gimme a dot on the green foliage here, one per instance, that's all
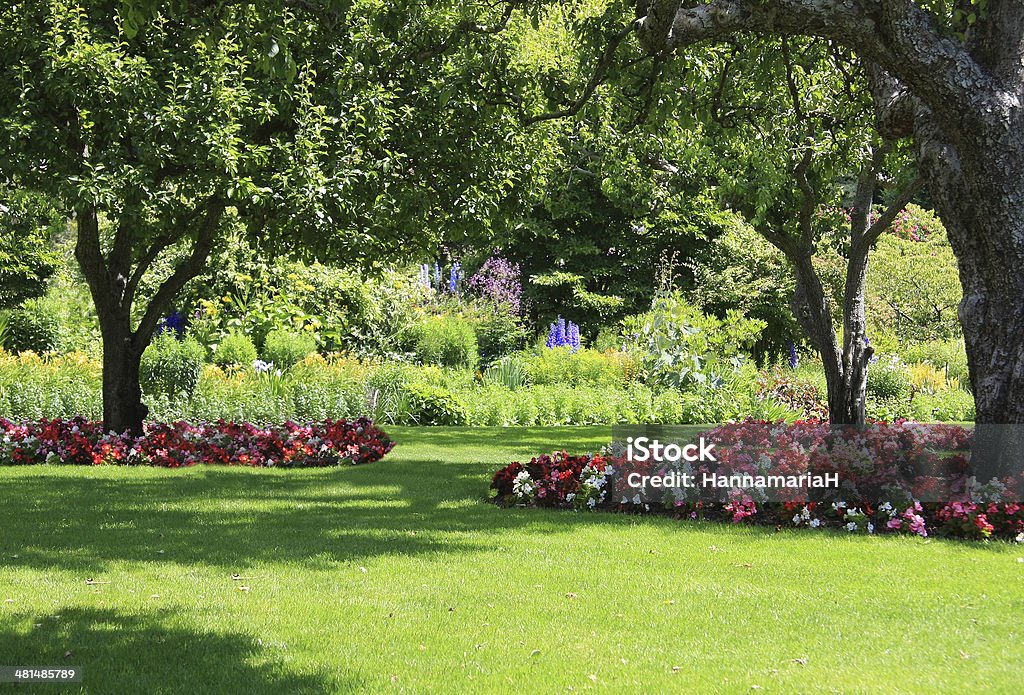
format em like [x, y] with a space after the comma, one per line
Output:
[31, 328]
[913, 285]
[170, 366]
[682, 346]
[27, 260]
[446, 341]
[953, 405]
[888, 379]
[509, 372]
[562, 365]
[286, 348]
[433, 405]
[741, 271]
[53, 386]
[235, 350]
[949, 355]
[499, 332]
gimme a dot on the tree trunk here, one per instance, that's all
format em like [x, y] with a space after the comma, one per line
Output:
[123, 409]
[979, 192]
[846, 388]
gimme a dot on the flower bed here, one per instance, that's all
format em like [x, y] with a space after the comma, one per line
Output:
[902, 477]
[179, 444]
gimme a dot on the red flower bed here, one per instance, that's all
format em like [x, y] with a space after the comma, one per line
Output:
[180, 444]
[899, 477]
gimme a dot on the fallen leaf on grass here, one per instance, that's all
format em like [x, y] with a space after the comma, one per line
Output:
[570, 595]
[238, 577]
[800, 660]
[535, 652]
[243, 587]
[91, 582]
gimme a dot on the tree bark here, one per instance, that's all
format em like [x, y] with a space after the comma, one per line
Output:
[123, 409]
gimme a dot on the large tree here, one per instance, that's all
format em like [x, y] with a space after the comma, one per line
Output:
[951, 74]
[330, 129]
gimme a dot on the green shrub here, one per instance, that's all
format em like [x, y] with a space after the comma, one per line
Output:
[888, 379]
[33, 387]
[433, 405]
[287, 348]
[235, 350]
[171, 366]
[947, 355]
[499, 333]
[28, 328]
[561, 365]
[953, 405]
[446, 341]
[682, 346]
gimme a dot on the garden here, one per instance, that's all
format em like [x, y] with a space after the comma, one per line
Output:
[336, 339]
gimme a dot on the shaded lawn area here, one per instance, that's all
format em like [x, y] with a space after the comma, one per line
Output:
[396, 576]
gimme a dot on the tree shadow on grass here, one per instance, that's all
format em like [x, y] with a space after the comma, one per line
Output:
[407, 505]
[121, 653]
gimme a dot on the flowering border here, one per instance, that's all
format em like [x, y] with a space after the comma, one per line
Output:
[897, 478]
[180, 444]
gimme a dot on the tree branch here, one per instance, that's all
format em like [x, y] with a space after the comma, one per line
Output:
[886, 219]
[596, 79]
[896, 34]
[185, 271]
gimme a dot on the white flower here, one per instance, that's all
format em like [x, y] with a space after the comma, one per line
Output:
[815, 523]
[636, 498]
[796, 520]
[522, 486]
[851, 527]
[871, 527]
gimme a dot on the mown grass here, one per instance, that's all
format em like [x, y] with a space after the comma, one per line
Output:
[398, 577]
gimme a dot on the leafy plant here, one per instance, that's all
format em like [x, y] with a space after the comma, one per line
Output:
[447, 341]
[286, 348]
[681, 345]
[170, 366]
[509, 372]
[235, 350]
[433, 405]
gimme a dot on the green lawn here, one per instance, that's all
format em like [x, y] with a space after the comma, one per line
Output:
[398, 577]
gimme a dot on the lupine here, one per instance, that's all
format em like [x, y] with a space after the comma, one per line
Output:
[453, 277]
[562, 335]
[794, 359]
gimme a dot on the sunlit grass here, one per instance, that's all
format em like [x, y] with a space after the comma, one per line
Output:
[398, 576]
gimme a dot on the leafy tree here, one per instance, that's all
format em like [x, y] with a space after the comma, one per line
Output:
[27, 259]
[951, 74]
[326, 129]
[913, 288]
